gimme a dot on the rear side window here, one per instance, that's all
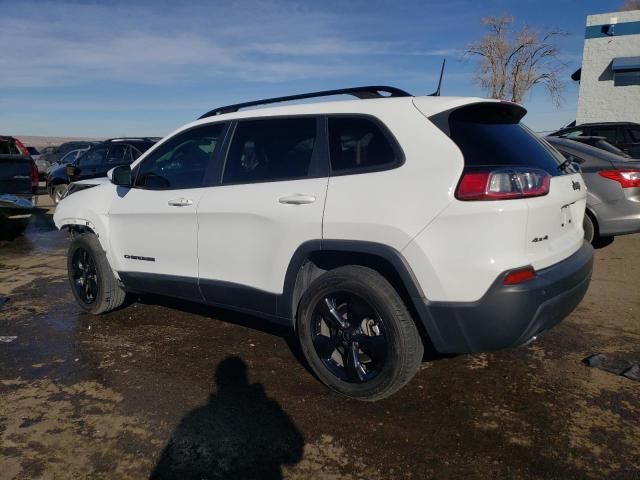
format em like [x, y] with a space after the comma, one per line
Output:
[271, 149]
[491, 135]
[575, 133]
[610, 134]
[634, 134]
[8, 147]
[358, 144]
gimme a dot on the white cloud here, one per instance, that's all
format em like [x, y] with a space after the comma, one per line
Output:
[61, 44]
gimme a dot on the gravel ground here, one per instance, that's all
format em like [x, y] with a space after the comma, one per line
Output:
[157, 387]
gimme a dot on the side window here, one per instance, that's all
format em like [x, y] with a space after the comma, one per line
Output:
[118, 154]
[270, 149]
[610, 133]
[358, 144]
[634, 134]
[182, 161]
[575, 133]
[135, 153]
[93, 157]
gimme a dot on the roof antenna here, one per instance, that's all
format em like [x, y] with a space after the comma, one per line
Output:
[437, 92]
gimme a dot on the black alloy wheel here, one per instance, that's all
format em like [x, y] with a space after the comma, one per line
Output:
[84, 276]
[349, 337]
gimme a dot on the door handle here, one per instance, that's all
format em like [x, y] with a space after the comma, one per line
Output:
[297, 199]
[180, 202]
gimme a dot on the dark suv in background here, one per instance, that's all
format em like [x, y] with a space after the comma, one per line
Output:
[96, 162]
[18, 181]
[624, 135]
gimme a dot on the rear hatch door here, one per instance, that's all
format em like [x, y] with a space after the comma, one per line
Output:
[490, 136]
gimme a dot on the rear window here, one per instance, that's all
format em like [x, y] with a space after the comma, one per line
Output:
[8, 147]
[492, 135]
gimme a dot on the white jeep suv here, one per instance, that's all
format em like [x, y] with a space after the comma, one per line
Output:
[376, 228]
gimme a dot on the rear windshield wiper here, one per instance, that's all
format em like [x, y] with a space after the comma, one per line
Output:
[564, 165]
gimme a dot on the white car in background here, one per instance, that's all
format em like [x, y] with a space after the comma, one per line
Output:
[375, 228]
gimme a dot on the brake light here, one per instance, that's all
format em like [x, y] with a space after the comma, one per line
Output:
[35, 177]
[21, 148]
[519, 276]
[626, 178]
[503, 184]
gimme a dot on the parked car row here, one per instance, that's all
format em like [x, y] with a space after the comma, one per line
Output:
[623, 135]
[94, 162]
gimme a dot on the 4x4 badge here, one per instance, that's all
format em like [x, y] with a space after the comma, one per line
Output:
[576, 185]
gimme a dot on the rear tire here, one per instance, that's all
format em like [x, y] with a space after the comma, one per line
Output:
[369, 347]
[93, 283]
[590, 229]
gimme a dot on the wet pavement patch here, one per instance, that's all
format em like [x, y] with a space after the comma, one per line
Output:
[615, 365]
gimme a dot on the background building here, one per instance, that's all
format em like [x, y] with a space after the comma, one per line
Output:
[610, 76]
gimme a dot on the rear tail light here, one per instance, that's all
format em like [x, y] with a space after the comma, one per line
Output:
[35, 177]
[21, 148]
[626, 178]
[520, 275]
[503, 184]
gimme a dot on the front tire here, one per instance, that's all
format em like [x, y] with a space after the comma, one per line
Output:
[93, 284]
[357, 335]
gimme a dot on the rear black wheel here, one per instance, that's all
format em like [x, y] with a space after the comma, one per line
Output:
[357, 335]
[93, 283]
[590, 229]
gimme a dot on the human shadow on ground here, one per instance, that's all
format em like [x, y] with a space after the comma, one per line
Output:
[239, 434]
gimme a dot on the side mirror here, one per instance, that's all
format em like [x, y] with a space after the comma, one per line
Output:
[120, 176]
[71, 170]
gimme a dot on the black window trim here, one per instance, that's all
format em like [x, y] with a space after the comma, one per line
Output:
[319, 165]
[399, 156]
[209, 175]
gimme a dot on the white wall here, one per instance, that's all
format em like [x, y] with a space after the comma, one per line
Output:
[599, 100]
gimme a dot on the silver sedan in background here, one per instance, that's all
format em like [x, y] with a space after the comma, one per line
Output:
[613, 189]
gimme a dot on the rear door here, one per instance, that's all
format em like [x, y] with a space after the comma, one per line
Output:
[269, 202]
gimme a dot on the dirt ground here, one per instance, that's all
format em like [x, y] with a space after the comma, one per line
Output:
[157, 388]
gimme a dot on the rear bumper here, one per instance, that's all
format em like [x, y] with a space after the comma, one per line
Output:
[508, 316]
[12, 205]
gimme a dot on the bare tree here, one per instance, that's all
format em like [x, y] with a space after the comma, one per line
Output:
[512, 63]
[631, 5]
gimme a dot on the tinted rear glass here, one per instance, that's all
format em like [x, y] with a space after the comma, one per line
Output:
[358, 144]
[8, 147]
[492, 135]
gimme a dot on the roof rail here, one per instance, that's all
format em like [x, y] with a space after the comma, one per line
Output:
[130, 139]
[371, 91]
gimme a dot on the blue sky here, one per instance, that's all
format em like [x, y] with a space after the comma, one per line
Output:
[144, 68]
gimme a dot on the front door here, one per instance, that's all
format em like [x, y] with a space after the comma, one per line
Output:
[154, 225]
[270, 202]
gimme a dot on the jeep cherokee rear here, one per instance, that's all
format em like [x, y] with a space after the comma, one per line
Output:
[369, 226]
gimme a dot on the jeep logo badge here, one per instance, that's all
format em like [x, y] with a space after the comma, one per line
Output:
[575, 185]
